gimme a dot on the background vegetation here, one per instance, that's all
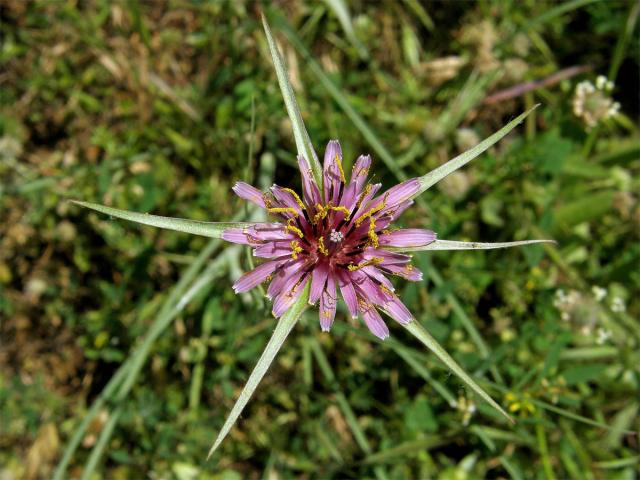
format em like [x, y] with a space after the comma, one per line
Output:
[149, 106]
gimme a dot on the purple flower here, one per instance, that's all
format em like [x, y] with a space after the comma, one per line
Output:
[336, 241]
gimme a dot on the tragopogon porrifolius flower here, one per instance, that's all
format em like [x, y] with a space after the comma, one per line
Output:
[336, 238]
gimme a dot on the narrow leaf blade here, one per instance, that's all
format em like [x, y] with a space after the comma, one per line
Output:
[280, 334]
[454, 245]
[206, 229]
[303, 142]
[433, 177]
[418, 331]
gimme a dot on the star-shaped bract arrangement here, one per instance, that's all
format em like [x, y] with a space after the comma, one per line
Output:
[338, 236]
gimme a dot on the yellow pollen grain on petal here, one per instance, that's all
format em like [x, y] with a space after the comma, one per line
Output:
[370, 212]
[292, 228]
[283, 210]
[373, 237]
[367, 190]
[321, 247]
[295, 249]
[366, 263]
[295, 195]
[322, 212]
[342, 209]
[385, 290]
[339, 163]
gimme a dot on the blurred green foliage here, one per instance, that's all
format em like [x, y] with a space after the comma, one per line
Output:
[148, 106]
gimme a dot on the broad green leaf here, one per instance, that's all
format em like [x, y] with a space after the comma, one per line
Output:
[280, 334]
[454, 245]
[433, 177]
[303, 142]
[418, 331]
[195, 227]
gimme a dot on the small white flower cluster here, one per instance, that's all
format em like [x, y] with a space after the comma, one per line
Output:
[592, 103]
[602, 336]
[566, 302]
[618, 305]
[599, 293]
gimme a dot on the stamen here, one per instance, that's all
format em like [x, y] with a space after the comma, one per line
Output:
[342, 209]
[372, 261]
[295, 249]
[322, 212]
[339, 163]
[283, 210]
[373, 238]
[366, 192]
[321, 247]
[371, 211]
[297, 198]
[292, 228]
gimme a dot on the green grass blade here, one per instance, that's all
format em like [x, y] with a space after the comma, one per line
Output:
[341, 11]
[433, 177]
[341, 99]
[80, 431]
[454, 245]
[418, 331]
[101, 444]
[303, 142]
[280, 334]
[195, 227]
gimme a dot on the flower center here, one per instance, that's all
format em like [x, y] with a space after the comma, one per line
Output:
[335, 237]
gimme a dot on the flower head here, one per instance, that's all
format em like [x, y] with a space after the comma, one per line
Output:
[338, 240]
[593, 103]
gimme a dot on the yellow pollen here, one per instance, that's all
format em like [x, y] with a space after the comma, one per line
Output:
[292, 228]
[386, 231]
[339, 163]
[321, 247]
[295, 249]
[295, 195]
[342, 209]
[322, 212]
[372, 261]
[283, 210]
[366, 192]
[385, 290]
[370, 212]
[373, 238]
[326, 314]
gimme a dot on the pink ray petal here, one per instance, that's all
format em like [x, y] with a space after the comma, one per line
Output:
[318, 280]
[273, 249]
[348, 294]
[248, 192]
[283, 276]
[332, 177]
[408, 272]
[310, 189]
[290, 294]
[256, 276]
[388, 258]
[328, 303]
[407, 237]
[373, 320]
[398, 311]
